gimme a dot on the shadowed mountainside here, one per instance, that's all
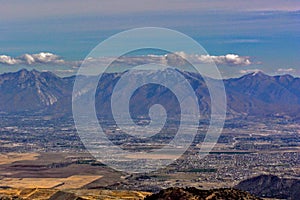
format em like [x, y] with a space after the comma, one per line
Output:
[270, 186]
[255, 94]
[196, 194]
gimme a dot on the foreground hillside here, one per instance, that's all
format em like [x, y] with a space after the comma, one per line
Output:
[171, 193]
[196, 194]
[52, 194]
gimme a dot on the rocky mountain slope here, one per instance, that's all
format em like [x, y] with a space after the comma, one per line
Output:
[27, 91]
[196, 194]
[272, 187]
[255, 94]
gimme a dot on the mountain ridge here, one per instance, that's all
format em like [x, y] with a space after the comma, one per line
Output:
[192, 193]
[254, 94]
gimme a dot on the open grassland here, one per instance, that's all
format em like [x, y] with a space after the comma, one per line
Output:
[54, 170]
[9, 158]
[76, 181]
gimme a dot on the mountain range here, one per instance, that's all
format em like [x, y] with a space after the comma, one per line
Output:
[254, 94]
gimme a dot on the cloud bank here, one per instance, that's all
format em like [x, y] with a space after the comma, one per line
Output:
[177, 59]
[46, 58]
[32, 59]
[228, 59]
[286, 70]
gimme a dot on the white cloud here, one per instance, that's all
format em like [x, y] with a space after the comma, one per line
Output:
[286, 70]
[4, 59]
[247, 71]
[43, 58]
[228, 59]
[31, 59]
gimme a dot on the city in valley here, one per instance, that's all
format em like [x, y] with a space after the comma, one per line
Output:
[48, 153]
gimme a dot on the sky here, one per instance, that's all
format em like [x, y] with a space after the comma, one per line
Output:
[240, 36]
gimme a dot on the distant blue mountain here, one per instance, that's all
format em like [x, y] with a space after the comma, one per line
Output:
[254, 94]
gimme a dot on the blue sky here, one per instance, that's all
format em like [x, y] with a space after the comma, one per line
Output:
[265, 31]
